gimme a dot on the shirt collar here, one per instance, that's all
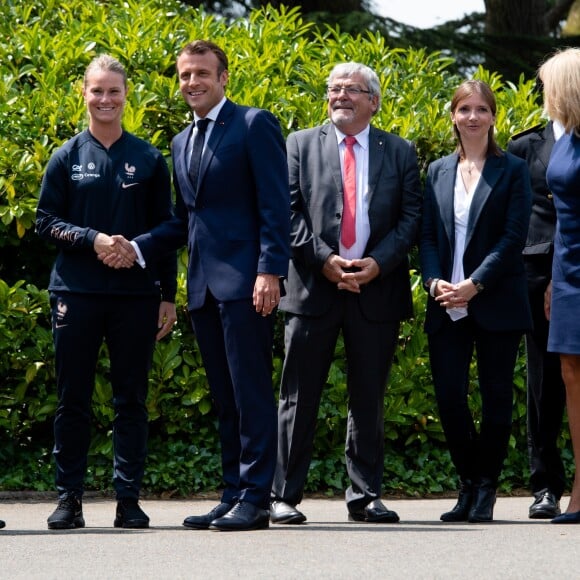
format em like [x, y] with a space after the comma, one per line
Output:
[214, 113]
[558, 129]
[362, 138]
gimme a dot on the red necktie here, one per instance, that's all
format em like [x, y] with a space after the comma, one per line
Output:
[348, 231]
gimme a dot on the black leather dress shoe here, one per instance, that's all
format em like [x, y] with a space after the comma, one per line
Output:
[571, 518]
[203, 522]
[374, 512]
[545, 506]
[284, 513]
[243, 516]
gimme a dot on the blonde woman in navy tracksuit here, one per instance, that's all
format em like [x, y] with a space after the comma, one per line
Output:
[104, 181]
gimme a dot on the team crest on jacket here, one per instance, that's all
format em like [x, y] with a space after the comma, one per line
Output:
[129, 176]
[130, 170]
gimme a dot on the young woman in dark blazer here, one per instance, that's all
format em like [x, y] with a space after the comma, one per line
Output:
[475, 219]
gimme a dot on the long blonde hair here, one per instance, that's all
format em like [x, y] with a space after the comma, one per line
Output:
[560, 75]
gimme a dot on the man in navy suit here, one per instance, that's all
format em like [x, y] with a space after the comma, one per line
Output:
[234, 215]
[351, 281]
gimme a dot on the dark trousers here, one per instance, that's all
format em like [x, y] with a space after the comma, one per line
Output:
[236, 347]
[310, 344]
[80, 324]
[546, 403]
[475, 455]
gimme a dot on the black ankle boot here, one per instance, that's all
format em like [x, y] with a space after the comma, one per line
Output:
[483, 502]
[461, 510]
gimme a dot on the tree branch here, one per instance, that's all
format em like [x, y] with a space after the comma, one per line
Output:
[558, 13]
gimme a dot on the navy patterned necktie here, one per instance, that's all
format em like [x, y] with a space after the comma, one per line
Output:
[197, 150]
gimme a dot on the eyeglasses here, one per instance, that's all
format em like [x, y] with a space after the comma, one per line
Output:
[335, 90]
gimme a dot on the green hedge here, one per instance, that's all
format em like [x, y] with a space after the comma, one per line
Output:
[279, 62]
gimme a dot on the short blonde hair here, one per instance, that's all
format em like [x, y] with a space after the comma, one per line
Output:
[560, 76]
[105, 62]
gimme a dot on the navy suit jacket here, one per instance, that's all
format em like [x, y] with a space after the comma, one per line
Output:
[237, 224]
[317, 202]
[535, 146]
[496, 234]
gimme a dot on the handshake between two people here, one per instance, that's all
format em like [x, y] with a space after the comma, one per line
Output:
[114, 251]
[117, 252]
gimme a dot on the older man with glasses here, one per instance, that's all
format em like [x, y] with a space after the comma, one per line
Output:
[355, 202]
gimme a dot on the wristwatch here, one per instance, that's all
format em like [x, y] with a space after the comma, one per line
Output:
[478, 285]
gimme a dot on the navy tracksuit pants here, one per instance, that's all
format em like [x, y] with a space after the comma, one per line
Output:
[127, 325]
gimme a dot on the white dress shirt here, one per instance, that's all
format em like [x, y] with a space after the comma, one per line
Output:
[558, 129]
[461, 203]
[212, 116]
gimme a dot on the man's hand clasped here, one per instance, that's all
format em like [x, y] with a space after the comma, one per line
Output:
[350, 275]
[114, 251]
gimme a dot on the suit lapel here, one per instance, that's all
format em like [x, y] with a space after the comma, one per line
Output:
[445, 193]
[181, 160]
[329, 146]
[376, 158]
[492, 171]
[217, 133]
[544, 145]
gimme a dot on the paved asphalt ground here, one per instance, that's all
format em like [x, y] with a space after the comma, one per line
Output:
[327, 546]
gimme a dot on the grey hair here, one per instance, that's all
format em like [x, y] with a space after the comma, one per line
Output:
[104, 62]
[348, 69]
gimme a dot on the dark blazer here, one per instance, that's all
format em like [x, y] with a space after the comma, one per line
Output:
[497, 229]
[317, 204]
[238, 220]
[535, 146]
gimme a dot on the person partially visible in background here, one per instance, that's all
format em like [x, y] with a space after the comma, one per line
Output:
[546, 394]
[560, 76]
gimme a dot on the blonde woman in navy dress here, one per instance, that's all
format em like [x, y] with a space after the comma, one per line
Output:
[561, 78]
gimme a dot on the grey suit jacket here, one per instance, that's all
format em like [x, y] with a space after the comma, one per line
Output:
[316, 212]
